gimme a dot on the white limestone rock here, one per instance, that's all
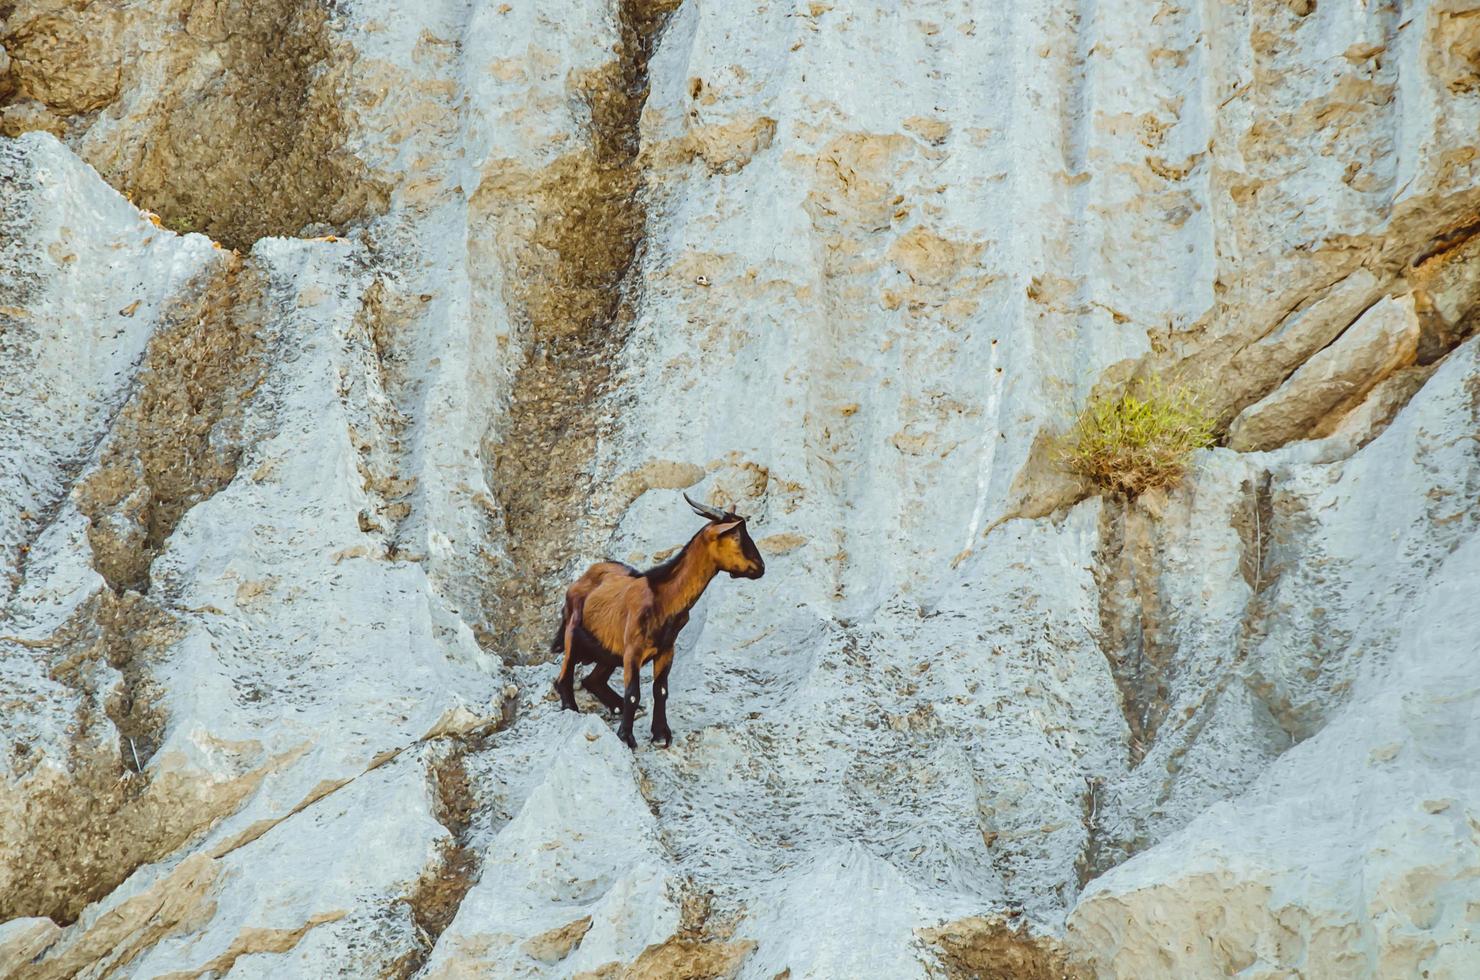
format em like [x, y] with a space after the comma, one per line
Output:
[858, 914]
[22, 940]
[1352, 857]
[888, 251]
[582, 846]
[1353, 854]
[84, 280]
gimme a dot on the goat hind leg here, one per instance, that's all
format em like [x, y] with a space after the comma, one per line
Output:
[596, 683]
[565, 683]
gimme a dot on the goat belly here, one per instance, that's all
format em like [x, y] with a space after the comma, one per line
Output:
[588, 649]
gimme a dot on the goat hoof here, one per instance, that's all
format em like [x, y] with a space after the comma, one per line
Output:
[666, 737]
[627, 737]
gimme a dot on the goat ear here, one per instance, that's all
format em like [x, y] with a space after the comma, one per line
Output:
[728, 526]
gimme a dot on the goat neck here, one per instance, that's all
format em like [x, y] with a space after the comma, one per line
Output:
[678, 592]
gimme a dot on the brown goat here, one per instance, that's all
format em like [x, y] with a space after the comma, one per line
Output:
[615, 616]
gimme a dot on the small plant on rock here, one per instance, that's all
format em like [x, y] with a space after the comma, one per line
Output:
[1139, 439]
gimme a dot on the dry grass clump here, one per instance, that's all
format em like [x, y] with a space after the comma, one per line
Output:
[1139, 439]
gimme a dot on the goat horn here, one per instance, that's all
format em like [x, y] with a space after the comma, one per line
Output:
[713, 513]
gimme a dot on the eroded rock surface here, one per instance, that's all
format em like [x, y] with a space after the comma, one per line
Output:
[433, 304]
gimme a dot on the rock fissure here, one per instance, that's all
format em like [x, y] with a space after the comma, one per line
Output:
[1254, 522]
[174, 444]
[382, 457]
[1093, 859]
[977, 947]
[1447, 241]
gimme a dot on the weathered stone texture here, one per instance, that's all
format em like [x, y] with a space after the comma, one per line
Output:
[417, 308]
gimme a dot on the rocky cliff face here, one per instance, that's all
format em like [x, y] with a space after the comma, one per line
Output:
[336, 337]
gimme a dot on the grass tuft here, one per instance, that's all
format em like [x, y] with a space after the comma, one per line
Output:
[1140, 439]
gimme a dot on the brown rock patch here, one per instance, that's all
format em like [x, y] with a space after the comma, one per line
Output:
[556, 944]
[241, 133]
[976, 948]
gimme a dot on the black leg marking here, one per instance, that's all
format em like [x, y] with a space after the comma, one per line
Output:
[661, 732]
[629, 712]
[596, 683]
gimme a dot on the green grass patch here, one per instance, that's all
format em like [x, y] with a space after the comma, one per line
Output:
[1139, 439]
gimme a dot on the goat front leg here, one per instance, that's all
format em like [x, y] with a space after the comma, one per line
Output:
[632, 695]
[661, 731]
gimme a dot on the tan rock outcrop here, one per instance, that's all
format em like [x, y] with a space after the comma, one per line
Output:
[1313, 400]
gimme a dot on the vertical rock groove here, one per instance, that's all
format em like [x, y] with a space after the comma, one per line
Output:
[440, 891]
[173, 445]
[577, 296]
[1131, 622]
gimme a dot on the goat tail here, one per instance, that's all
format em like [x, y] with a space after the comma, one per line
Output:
[557, 644]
